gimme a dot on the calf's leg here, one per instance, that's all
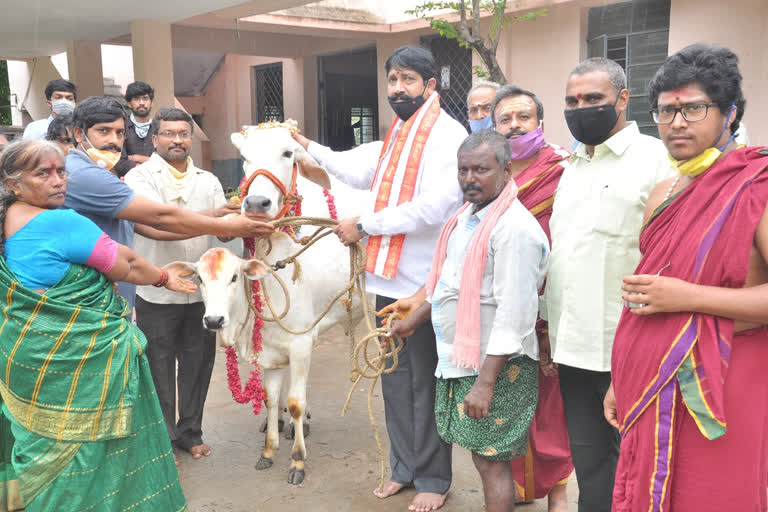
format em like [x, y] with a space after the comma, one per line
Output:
[297, 406]
[273, 379]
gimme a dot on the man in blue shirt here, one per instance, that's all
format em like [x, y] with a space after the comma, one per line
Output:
[95, 192]
[60, 95]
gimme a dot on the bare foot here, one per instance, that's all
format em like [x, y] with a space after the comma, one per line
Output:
[175, 460]
[426, 501]
[390, 489]
[557, 499]
[200, 450]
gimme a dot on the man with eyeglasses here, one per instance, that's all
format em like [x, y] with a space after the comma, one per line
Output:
[479, 100]
[596, 218]
[174, 323]
[94, 190]
[690, 391]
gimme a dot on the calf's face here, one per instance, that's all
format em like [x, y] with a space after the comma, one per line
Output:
[222, 286]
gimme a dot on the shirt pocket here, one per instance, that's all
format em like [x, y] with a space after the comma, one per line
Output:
[618, 211]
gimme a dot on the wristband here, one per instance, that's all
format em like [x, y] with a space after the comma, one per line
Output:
[163, 279]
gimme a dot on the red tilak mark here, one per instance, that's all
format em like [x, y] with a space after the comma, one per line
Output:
[214, 259]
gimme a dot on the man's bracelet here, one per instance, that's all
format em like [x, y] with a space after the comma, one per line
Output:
[163, 279]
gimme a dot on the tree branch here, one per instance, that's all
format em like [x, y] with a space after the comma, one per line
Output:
[476, 18]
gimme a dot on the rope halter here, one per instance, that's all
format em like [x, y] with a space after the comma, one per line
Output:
[290, 196]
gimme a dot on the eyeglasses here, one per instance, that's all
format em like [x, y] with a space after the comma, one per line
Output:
[691, 113]
[173, 135]
[485, 109]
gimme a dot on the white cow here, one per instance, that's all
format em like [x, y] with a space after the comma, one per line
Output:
[324, 272]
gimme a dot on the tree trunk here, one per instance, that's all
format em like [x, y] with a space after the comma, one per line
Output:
[491, 64]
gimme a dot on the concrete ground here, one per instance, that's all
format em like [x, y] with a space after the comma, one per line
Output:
[342, 463]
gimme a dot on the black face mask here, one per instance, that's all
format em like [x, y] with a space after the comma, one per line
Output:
[591, 125]
[405, 106]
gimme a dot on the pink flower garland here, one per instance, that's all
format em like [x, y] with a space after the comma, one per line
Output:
[254, 390]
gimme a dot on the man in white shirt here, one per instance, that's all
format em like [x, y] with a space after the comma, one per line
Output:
[173, 321]
[595, 225]
[60, 95]
[412, 177]
[485, 400]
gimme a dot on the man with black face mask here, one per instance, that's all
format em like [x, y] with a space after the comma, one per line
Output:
[596, 220]
[412, 177]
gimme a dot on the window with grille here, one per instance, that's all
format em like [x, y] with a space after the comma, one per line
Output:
[454, 69]
[363, 120]
[268, 85]
[635, 35]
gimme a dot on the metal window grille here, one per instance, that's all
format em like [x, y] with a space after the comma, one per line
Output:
[636, 36]
[458, 62]
[268, 84]
[364, 124]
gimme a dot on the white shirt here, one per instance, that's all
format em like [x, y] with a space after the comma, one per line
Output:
[436, 197]
[199, 191]
[595, 226]
[518, 255]
[37, 130]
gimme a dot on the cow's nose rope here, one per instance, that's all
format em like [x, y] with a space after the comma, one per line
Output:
[363, 366]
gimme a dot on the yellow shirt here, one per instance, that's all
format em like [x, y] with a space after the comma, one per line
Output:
[595, 227]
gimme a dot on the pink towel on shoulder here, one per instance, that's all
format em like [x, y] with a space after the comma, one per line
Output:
[466, 344]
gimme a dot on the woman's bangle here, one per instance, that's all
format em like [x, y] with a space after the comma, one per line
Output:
[163, 279]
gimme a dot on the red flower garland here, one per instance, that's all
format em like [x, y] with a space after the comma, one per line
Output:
[254, 390]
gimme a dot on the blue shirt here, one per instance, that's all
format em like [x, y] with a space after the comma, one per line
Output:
[37, 129]
[41, 252]
[98, 194]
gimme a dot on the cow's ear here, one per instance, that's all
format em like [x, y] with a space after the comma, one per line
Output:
[254, 269]
[310, 169]
[185, 268]
[237, 139]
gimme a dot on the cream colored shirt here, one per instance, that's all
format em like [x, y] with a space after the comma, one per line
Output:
[199, 191]
[596, 220]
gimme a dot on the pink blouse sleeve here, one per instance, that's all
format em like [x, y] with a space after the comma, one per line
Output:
[104, 254]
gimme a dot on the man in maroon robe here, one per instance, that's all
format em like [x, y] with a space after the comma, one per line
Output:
[690, 393]
[537, 166]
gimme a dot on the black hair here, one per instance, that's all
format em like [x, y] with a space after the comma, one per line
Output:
[714, 68]
[60, 126]
[97, 109]
[496, 141]
[510, 91]
[413, 57]
[173, 114]
[60, 85]
[616, 74]
[137, 89]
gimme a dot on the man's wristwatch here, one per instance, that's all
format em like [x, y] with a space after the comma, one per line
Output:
[360, 229]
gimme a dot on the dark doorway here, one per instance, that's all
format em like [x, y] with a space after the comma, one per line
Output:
[348, 105]
[454, 74]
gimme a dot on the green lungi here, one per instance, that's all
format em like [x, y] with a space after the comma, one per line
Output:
[80, 427]
[503, 435]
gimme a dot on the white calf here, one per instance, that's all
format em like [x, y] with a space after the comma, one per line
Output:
[324, 272]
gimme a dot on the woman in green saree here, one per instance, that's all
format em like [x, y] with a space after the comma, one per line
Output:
[80, 424]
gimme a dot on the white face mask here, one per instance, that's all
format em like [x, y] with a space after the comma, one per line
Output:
[62, 107]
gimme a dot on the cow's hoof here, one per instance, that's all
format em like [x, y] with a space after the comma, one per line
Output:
[280, 426]
[290, 433]
[295, 476]
[264, 463]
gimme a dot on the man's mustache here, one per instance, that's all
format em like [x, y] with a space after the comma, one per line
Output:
[177, 146]
[517, 131]
[111, 147]
[470, 187]
[400, 96]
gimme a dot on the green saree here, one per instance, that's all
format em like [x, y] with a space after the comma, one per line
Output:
[80, 426]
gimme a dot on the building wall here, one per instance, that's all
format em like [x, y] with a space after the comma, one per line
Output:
[742, 26]
[27, 80]
[538, 55]
[229, 104]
